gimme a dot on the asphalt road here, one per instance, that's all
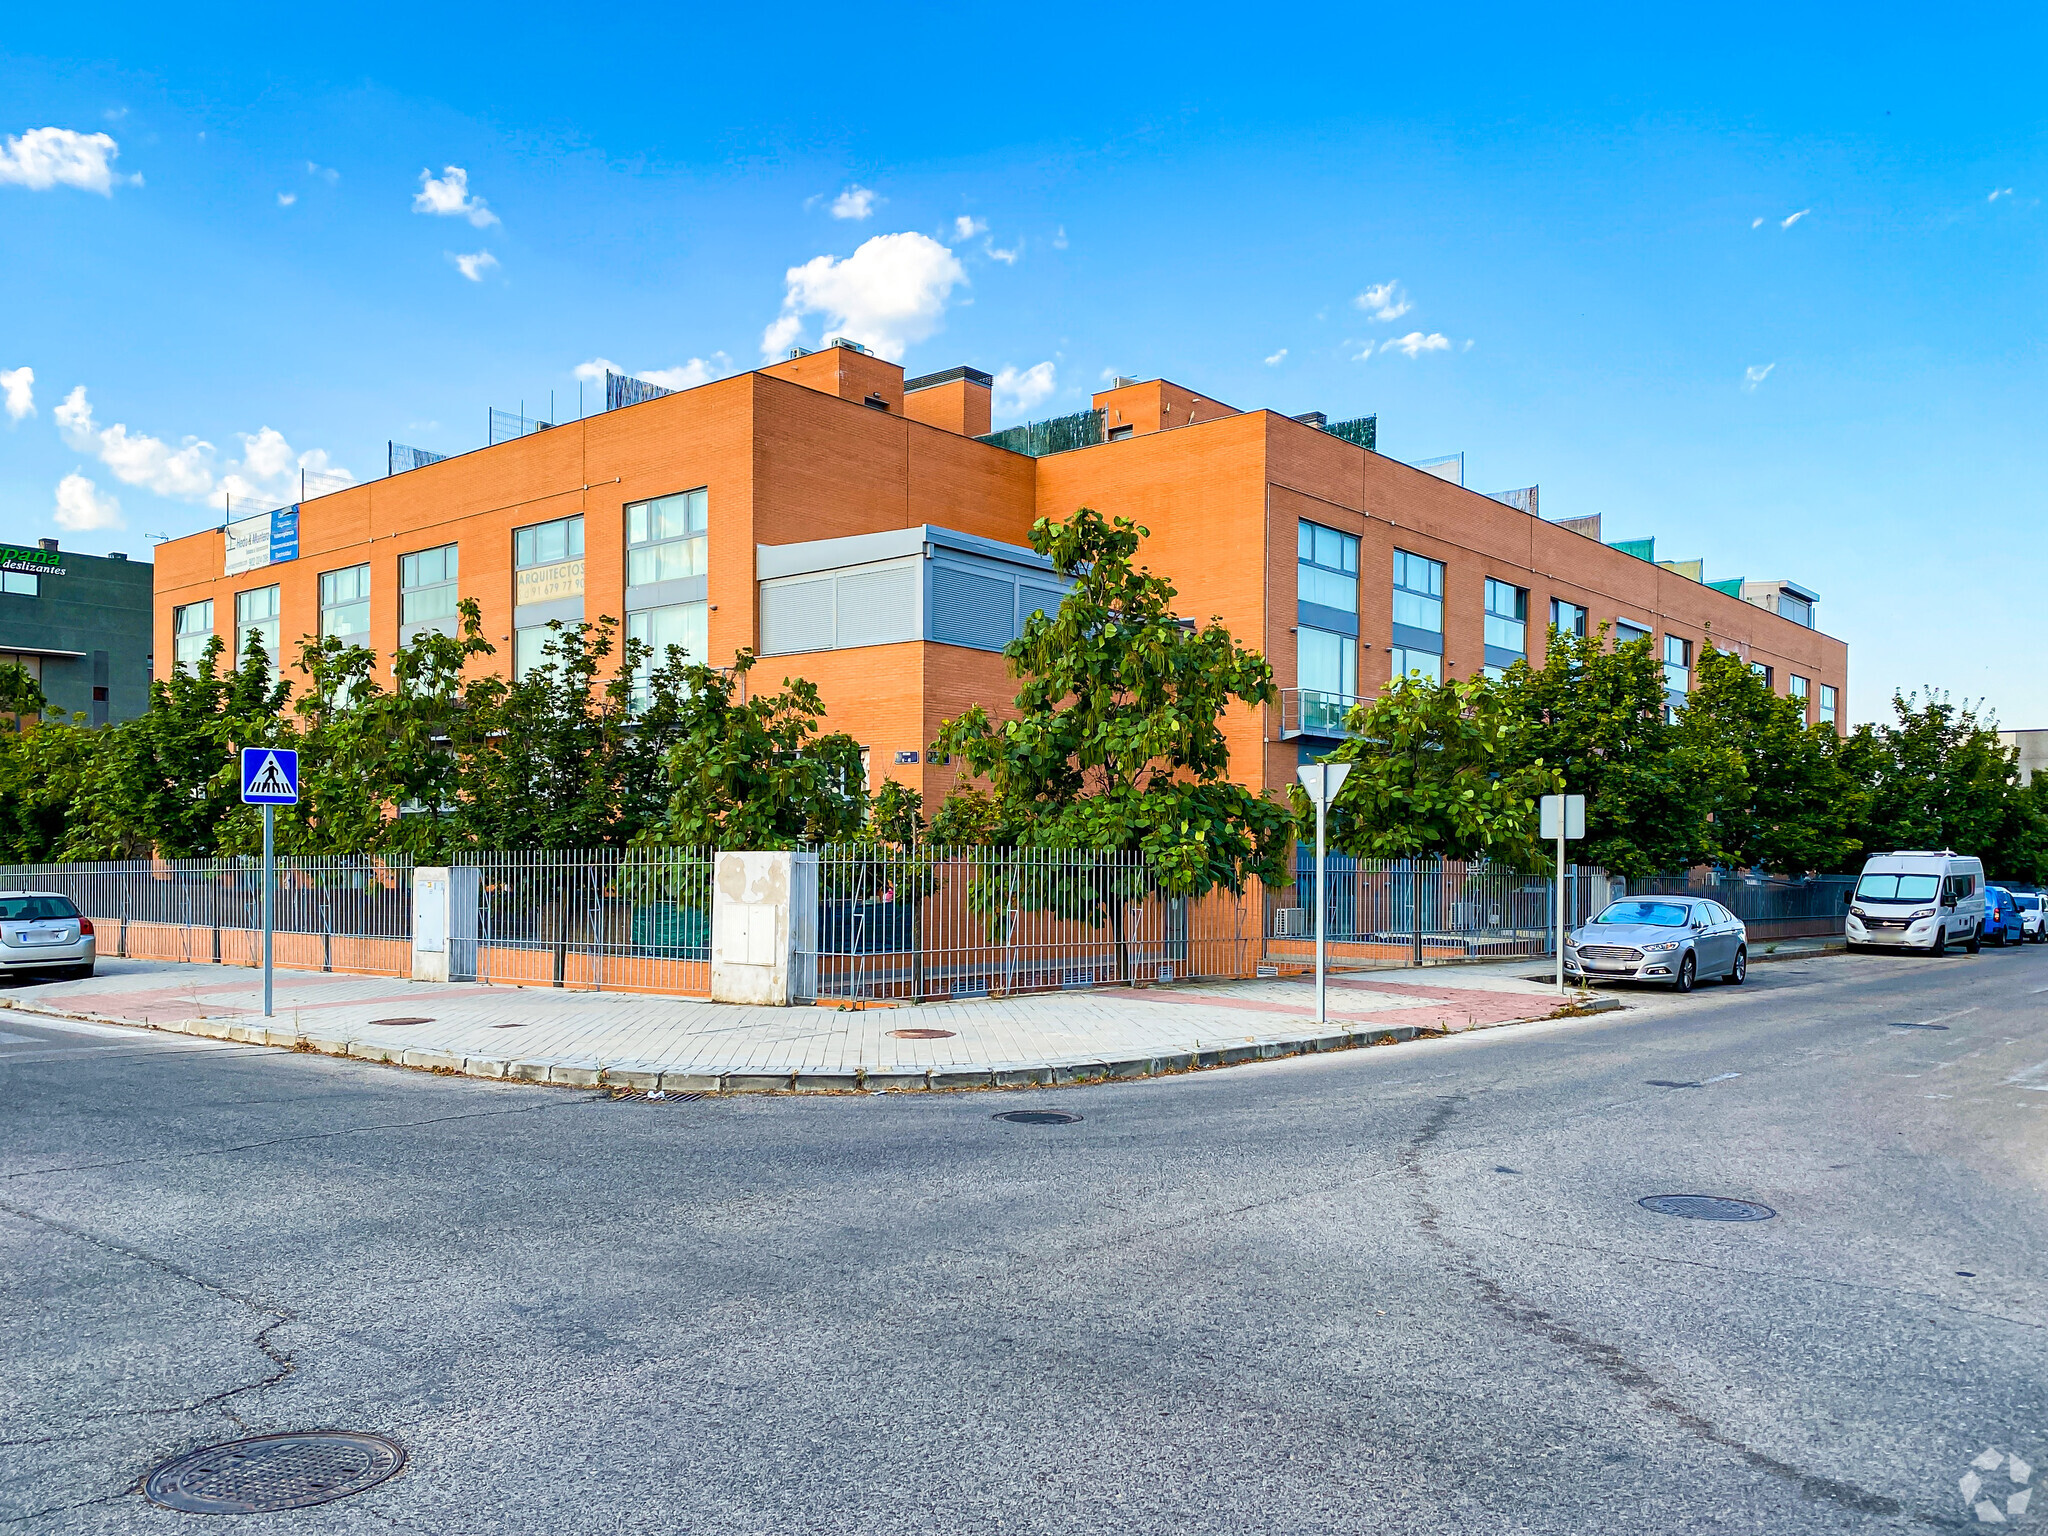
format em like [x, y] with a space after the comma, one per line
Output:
[1404, 1289]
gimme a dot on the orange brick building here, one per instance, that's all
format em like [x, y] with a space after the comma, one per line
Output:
[850, 526]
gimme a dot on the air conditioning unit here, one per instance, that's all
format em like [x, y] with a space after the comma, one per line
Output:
[1291, 923]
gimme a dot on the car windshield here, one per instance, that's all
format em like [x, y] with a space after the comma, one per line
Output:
[2027, 903]
[1652, 914]
[29, 909]
[1897, 887]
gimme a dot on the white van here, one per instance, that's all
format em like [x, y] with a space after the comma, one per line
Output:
[1917, 900]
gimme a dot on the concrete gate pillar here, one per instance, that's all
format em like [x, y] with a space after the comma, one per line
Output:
[763, 920]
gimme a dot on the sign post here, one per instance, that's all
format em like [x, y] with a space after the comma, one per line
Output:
[1560, 817]
[1322, 781]
[270, 778]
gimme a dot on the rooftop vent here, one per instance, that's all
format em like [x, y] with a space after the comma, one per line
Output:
[1120, 382]
[797, 352]
[115, 554]
[1314, 419]
[847, 342]
[875, 403]
[47, 543]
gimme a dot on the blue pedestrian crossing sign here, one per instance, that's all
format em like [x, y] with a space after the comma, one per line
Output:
[270, 776]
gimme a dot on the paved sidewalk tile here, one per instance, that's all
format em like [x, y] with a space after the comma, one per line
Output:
[632, 1041]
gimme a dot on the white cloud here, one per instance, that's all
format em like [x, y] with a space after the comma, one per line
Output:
[856, 202]
[1414, 344]
[698, 370]
[593, 372]
[1384, 301]
[1018, 391]
[81, 508]
[474, 265]
[1791, 219]
[1007, 258]
[1755, 374]
[966, 227]
[1997, 193]
[44, 158]
[326, 173]
[268, 466]
[1757, 222]
[1059, 239]
[890, 292]
[20, 387]
[286, 199]
[450, 195]
[1277, 358]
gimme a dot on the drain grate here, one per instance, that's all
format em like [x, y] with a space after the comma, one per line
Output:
[1037, 1117]
[273, 1472]
[401, 1021]
[920, 1034]
[656, 1096]
[1706, 1207]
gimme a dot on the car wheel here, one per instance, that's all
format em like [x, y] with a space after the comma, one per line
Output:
[1940, 945]
[1688, 968]
[1740, 973]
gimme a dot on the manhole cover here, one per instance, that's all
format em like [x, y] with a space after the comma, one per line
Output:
[1917, 1026]
[1706, 1207]
[1038, 1117]
[920, 1034]
[272, 1472]
[401, 1021]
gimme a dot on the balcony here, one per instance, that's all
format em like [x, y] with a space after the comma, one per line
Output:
[1311, 712]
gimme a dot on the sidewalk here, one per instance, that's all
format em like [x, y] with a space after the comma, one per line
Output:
[592, 1039]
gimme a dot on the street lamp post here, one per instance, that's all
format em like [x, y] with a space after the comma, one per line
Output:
[1322, 781]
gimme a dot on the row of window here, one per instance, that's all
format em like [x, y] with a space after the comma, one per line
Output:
[1327, 636]
[666, 541]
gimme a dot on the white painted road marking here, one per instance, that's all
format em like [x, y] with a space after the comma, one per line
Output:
[1721, 1079]
[19, 1040]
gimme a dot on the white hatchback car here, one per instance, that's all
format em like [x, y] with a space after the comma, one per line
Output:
[44, 931]
[2033, 916]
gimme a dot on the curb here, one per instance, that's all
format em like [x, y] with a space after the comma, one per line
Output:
[640, 1077]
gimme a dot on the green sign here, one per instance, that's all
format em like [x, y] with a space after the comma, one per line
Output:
[43, 562]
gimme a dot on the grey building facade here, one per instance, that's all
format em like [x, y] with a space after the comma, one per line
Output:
[79, 625]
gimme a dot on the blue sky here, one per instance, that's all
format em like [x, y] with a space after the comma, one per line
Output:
[1770, 290]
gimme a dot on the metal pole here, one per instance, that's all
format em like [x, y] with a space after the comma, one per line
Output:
[269, 877]
[1322, 897]
[1560, 896]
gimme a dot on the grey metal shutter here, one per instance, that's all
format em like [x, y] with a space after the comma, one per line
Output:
[878, 607]
[972, 610]
[796, 616]
[1032, 598]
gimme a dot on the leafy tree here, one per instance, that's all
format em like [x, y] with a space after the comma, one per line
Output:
[1432, 774]
[43, 772]
[1936, 777]
[758, 771]
[21, 695]
[1118, 743]
[1597, 716]
[1794, 805]
[897, 815]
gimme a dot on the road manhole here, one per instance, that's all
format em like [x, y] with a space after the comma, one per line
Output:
[401, 1021]
[1706, 1207]
[273, 1472]
[1038, 1117]
[920, 1034]
[1916, 1026]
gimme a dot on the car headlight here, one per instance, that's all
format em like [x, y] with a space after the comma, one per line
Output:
[1923, 912]
[1858, 912]
[1651, 949]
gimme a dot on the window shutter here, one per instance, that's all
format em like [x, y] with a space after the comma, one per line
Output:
[972, 610]
[796, 616]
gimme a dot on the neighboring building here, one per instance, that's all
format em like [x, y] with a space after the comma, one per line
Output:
[2033, 750]
[849, 526]
[80, 626]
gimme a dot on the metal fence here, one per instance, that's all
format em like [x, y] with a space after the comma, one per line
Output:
[933, 923]
[606, 919]
[1771, 906]
[1424, 911]
[344, 913]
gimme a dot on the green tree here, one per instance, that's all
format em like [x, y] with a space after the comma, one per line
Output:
[1597, 715]
[1118, 742]
[43, 774]
[21, 695]
[1432, 773]
[758, 771]
[1795, 804]
[1937, 776]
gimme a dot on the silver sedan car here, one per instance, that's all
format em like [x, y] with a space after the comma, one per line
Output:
[1675, 940]
[44, 931]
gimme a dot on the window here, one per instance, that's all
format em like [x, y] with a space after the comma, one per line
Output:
[1761, 671]
[26, 583]
[548, 543]
[1677, 664]
[345, 602]
[1327, 568]
[1827, 703]
[31, 664]
[1626, 633]
[683, 625]
[1567, 618]
[1796, 687]
[426, 592]
[257, 611]
[548, 571]
[1118, 434]
[665, 538]
[1419, 594]
[1428, 664]
[191, 628]
[1797, 609]
[1326, 662]
[1507, 626]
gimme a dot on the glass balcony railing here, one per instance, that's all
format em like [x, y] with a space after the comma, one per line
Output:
[1311, 712]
